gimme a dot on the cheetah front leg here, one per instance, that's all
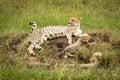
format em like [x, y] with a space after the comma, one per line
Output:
[38, 47]
[69, 37]
[30, 49]
[38, 43]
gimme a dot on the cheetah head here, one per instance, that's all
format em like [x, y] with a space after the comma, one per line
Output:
[96, 55]
[33, 24]
[74, 21]
[85, 37]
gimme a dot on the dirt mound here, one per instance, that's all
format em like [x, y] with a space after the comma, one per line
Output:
[100, 37]
[53, 46]
[56, 45]
[12, 43]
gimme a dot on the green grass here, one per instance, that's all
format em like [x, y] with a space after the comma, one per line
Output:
[15, 15]
[96, 16]
[15, 73]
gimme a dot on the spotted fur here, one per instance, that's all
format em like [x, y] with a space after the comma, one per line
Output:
[38, 36]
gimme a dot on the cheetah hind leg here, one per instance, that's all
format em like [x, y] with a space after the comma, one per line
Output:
[68, 54]
[38, 47]
[30, 49]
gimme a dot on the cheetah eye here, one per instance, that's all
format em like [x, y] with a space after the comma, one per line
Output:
[72, 20]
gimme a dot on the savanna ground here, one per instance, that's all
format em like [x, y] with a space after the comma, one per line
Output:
[99, 18]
